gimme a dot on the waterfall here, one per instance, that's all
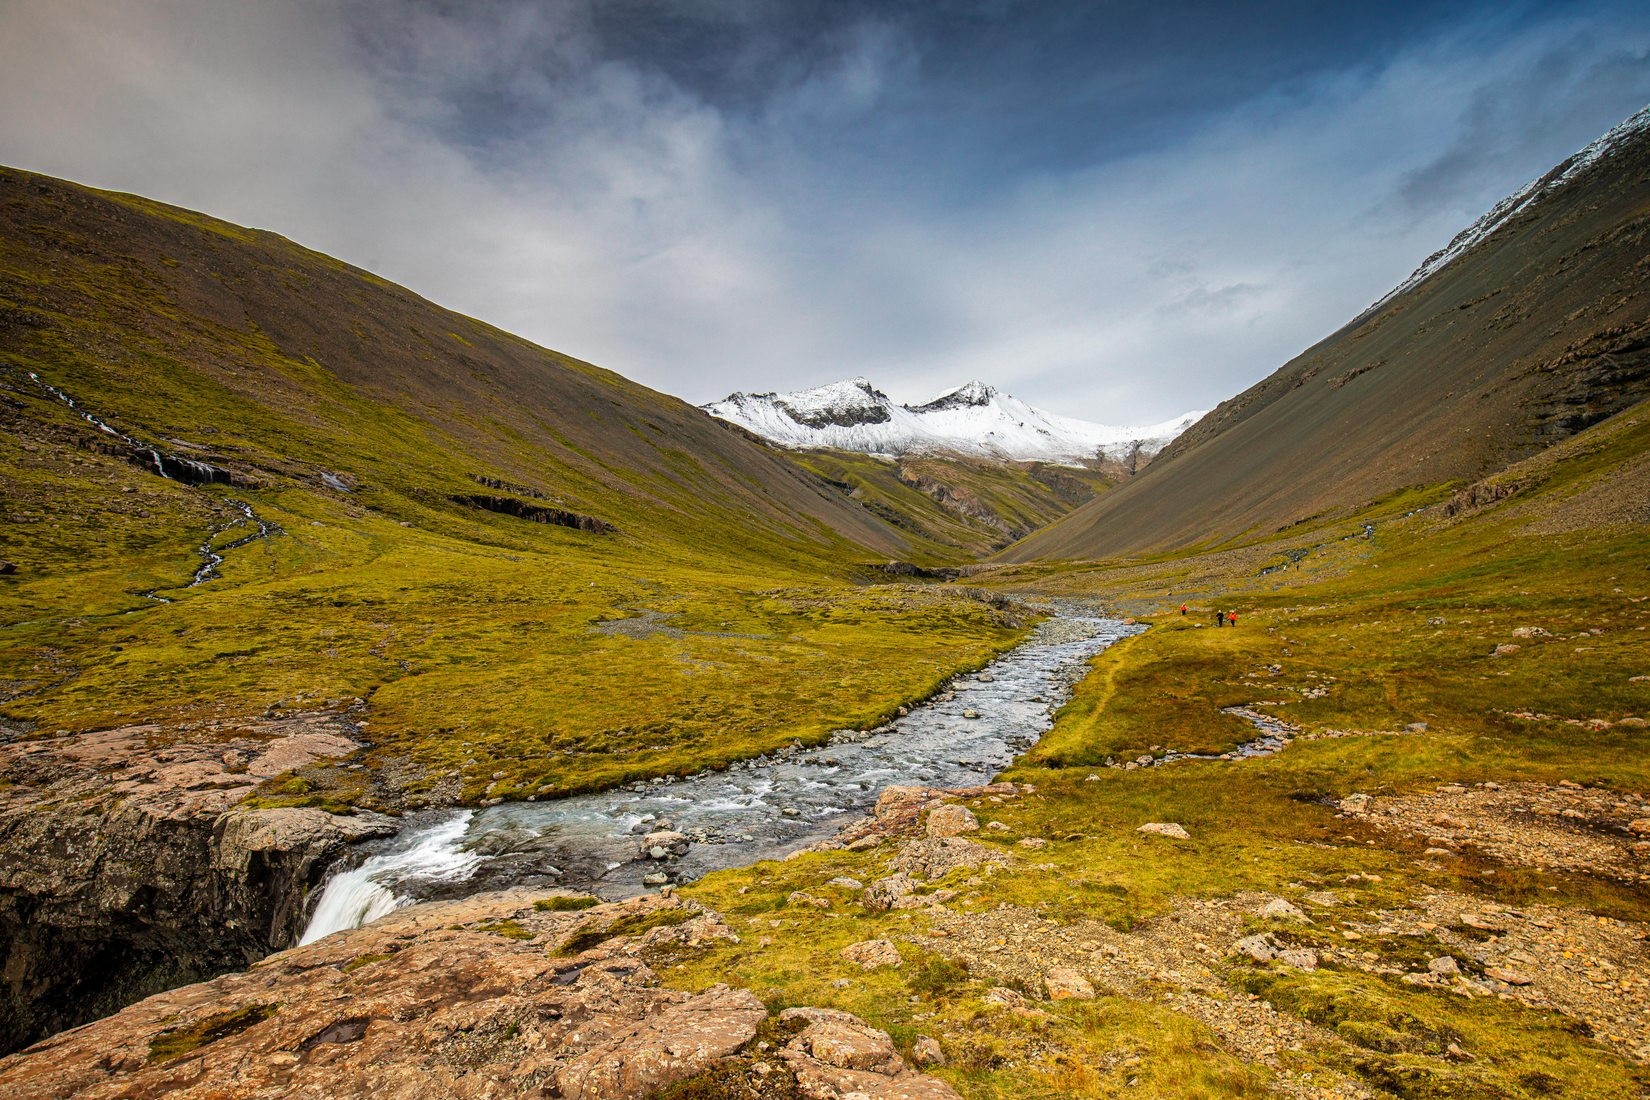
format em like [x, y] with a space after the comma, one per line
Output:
[352, 898]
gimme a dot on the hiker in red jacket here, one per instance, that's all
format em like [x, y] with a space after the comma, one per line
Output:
[1231, 618]
[1183, 609]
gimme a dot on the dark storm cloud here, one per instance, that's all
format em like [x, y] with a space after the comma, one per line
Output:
[1117, 210]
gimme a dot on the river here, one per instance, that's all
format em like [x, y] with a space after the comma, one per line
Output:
[758, 809]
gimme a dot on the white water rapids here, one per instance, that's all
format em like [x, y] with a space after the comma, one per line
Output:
[757, 809]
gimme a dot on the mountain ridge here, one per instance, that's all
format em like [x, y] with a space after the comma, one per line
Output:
[973, 418]
[1535, 328]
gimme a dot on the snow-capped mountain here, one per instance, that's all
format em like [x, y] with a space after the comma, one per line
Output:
[854, 415]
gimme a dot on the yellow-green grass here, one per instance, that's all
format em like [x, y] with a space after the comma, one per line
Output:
[478, 659]
[1368, 638]
[956, 507]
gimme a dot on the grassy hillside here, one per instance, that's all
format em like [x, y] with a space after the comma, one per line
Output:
[1477, 670]
[1541, 329]
[953, 506]
[403, 452]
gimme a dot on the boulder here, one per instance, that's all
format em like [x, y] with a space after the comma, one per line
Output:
[934, 858]
[871, 954]
[1065, 984]
[948, 819]
[664, 844]
[1165, 828]
[1279, 909]
[838, 1056]
[880, 896]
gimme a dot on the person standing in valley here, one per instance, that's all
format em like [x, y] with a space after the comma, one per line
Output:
[1231, 618]
[1183, 609]
[1220, 618]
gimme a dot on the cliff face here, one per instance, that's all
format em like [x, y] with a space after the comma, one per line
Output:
[128, 870]
[509, 994]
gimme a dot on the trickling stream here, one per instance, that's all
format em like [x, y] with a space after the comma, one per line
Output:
[187, 471]
[758, 809]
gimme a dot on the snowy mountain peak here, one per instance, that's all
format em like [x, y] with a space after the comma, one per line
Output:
[969, 393]
[974, 418]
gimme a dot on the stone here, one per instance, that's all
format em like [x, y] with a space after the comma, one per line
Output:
[1355, 804]
[1504, 649]
[872, 954]
[838, 1056]
[971, 714]
[1279, 909]
[1444, 966]
[881, 895]
[1639, 826]
[1323, 897]
[801, 897]
[846, 883]
[999, 826]
[1033, 842]
[933, 858]
[1511, 977]
[1260, 948]
[664, 844]
[949, 819]
[1165, 828]
[1065, 984]
[926, 1051]
[1302, 958]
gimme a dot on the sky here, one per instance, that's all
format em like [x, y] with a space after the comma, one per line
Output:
[1117, 210]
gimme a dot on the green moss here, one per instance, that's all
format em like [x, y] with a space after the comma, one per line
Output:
[564, 904]
[632, 925]
[178, 1041]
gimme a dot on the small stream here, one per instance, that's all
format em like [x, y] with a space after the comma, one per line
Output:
[186, 471]
[759, 809]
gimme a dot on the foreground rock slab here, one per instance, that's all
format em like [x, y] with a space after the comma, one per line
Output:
[470, 998]
[509, 994]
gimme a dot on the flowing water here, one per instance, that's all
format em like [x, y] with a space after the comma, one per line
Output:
[188, 471]
[758, 809]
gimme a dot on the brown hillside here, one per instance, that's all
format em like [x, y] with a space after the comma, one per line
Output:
[1538, 331]
[128, 303]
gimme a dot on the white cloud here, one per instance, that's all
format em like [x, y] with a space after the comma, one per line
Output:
[494, 158]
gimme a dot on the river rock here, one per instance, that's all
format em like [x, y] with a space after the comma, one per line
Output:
[428, 1001]
[949, 819]
[664, 844]
[1165, 828]
[871, 954]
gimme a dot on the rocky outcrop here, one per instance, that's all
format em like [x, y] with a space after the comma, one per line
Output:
[127, 868]
[534, 513]
[481, 997]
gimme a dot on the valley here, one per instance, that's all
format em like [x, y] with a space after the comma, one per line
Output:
[677, 764]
